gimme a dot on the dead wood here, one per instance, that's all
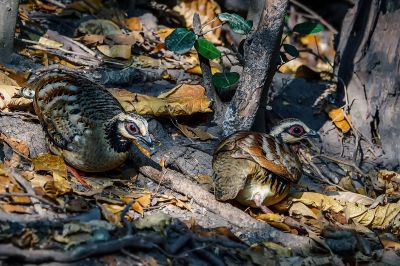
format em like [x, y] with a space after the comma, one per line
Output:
[249, 227]
[8, 17]
[261, 55]
[368, 76]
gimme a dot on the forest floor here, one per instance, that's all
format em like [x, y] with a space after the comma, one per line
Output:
[165, 214]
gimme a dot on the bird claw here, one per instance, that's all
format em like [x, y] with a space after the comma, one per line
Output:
[258, 202]
[75, 173]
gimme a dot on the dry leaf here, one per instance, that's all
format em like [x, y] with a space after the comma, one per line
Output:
[127, 39]
[6, 80]
[317, 200]
[194, 133]
[17, 145]
[92, 39]
[112, 212]
[182, 100]
[50, 43]
[298, 208]
[15, 208]
[353, 197]
[134, 24]
[7, 92]
[340, 119]
[274, 220]
[207, 9]
[99, 27]
[55, 164]
[116, 51]
[86, 6]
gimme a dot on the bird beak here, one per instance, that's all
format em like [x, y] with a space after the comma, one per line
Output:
[145, 145]
[313, 134]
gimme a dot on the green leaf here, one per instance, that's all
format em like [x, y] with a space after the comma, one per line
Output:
[291, 50]
[308, 28]
[225, 80]
[207, 49]
[180, 40]
[236, 22]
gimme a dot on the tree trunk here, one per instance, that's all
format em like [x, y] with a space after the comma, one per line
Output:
[261, 55]
[369, 55]
[8, 18]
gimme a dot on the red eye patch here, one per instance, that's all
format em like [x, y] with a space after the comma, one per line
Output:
[296, 131]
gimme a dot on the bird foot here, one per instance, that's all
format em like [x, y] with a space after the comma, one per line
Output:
[75, 173]
[259, 201]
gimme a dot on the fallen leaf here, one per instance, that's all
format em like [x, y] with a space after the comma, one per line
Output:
[340, 119]
[116, 51]
[6, 80]
[7, 92]
[92, 39]
[134, 24]
[194, 133]
[49, 43]
[317, 200]
[99, 27]
[112, 212]
[127, 39]
[55, 164]
[157, 221]
[17, 145]
[182, 100]
[86, 6]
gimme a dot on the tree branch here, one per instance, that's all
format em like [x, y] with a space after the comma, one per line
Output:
[8, 18]
[261, 55]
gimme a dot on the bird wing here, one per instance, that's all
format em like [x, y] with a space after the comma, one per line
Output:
[68, 104]
[264, 150]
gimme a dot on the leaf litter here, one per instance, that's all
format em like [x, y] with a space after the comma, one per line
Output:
[126, 40]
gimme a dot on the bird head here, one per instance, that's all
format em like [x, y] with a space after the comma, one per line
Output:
[292, 131]
[134, 128]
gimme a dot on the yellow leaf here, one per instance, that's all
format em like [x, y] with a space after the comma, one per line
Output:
[163, 33]
[116, 51]
[50, 43]
[182, 100]
[138, 208]
[317, 200]
[7, 92]
[55, 164]
[339, 118]
[197, 70]
[134, 24]
[112, 212]
[6, 80]
[144, 200]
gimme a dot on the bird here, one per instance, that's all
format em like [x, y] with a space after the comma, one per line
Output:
[84, 124]
[257, 169]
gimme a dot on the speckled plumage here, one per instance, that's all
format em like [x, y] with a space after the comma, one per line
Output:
[80, 121]
[247, 165]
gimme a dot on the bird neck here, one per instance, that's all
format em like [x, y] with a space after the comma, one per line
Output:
[117, 142]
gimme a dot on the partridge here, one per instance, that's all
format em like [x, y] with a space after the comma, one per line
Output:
[257, 169]
[84, 123]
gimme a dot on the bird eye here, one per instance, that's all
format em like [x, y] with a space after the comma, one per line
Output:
[296, 131]
[132, 128]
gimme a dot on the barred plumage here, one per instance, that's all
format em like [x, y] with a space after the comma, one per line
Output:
[251, 166]
[83, 122]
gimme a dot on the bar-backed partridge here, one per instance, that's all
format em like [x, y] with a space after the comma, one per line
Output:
[84, 123]
[257, 169]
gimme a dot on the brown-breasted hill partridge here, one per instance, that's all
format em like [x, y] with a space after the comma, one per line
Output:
[84, 123]
[257, 169]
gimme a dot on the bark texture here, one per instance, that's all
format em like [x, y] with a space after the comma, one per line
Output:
[369, 54]
[8, 18]
[261, 53]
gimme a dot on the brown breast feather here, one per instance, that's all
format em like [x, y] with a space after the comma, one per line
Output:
[264, 150]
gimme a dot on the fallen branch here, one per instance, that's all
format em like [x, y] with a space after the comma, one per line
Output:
[238, 219]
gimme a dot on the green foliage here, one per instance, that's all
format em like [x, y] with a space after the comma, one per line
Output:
[180, 40]
[291, 50]
[207, 49]
[225, 80]
[308, 28]
[236, 22]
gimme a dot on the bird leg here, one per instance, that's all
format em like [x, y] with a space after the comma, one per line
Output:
[258, 201]
[75, 173]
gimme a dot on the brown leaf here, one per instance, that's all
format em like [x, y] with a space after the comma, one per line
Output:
[182, 100]
[112, 212]
[194, 133]
[92, 39]
[134, 24]
[116, 51]
[6, 80]
[126, 39]
[340, 119]
[17, 145]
